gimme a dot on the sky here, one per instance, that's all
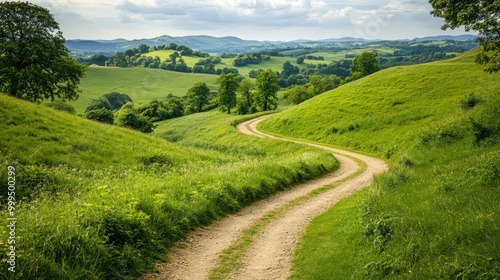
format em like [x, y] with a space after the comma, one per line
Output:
[274, 20]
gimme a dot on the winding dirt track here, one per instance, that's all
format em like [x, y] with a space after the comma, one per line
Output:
[269, 256]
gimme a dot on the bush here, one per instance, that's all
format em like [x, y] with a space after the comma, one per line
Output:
[101, 115]
[132, 119]
[111, 101]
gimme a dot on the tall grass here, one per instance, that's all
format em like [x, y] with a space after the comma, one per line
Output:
[434, 215]
[99, 202]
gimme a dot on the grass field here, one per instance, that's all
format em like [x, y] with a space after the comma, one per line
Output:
[96, 201]
[144, 84]
[435, 214]
[141, 84]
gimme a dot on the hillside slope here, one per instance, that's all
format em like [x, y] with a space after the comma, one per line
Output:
[95, 201]
[435, 214]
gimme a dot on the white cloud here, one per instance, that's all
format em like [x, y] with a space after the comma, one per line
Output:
[249, 19]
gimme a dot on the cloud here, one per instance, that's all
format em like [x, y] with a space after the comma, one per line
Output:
[252, 19]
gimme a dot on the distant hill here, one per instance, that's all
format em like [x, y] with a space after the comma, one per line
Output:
[447, 37]
[215, 45]
[202, 43]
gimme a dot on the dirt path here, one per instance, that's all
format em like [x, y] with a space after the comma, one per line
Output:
[269, 256]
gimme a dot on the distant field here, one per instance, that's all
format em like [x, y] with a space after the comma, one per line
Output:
[141, 84]
[144, 84]
[275, 63]
[164, 55]
[337, 56]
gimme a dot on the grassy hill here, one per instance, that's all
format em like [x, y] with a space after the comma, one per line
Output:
[435, 214]
[141, 84]
[95, 201]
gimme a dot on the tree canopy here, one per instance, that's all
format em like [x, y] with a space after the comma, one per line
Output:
[267, 86]
[226, 93]
[475, 15]
[365, 63]
[197, 97]
[34, 62]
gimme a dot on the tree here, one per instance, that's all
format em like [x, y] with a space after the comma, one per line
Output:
[197, 97]
[101, 115]
[111, 101]
[320, 84]
[297, 94]
[117, 100]
[267, 86]
[244, 100]
[475, 15]
[128, 116]
[99, 103]
[226, 93]
[365, 63]
[34, 62]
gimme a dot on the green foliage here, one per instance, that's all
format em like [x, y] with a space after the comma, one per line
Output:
[365, 64]
[297, 94]
[245, 98]
[197, 97]
[267, 86]
[103, 115]
[226, 93]
[117, 100]
[129, 117]
[479, 16]
[156, 110]
[34, 62]
[99, 103]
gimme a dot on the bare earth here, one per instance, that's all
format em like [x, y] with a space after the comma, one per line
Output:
[269, 257]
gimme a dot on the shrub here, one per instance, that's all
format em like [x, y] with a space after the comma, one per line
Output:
[101, 115]
[131, 119]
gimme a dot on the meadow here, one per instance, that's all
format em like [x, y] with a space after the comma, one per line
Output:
[145, 84]
[95, 201]
[434, 215]
[141, 84]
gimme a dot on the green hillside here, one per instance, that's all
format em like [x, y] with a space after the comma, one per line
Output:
[141, 84]
[95, 201]
[435, 214]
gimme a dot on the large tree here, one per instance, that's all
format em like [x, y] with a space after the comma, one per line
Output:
[365, 64]
[267, 86]
[482, 16]
[34, 62]
[197, 97]
[226, 93]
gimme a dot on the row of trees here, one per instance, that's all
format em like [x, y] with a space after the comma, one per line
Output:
[234, 92]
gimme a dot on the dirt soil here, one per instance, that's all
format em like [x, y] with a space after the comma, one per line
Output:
[270, 255]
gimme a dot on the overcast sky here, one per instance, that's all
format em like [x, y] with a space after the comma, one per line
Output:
[247, 19]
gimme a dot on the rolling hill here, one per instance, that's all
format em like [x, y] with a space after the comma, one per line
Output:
[96, 201]
[435, 214]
